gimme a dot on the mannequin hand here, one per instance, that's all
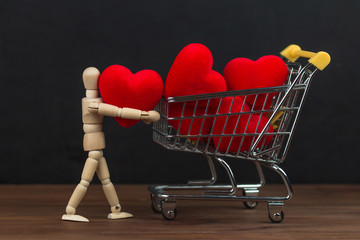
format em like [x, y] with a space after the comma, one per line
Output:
[150, 116]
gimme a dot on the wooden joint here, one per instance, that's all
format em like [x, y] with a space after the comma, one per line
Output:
[116, 208]
[96, 154]
[106, 181]
[92, 93]
[84, 183]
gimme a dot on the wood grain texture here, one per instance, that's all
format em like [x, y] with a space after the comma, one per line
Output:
[315, 212]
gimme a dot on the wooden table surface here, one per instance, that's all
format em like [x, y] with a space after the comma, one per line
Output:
[315, 212]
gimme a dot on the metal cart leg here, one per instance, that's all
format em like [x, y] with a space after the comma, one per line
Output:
[275, 212]
[233, 189]
[213, 174]
[165, 203]
[168, 207]
[250, 192]
[253, 190]
[155, 203]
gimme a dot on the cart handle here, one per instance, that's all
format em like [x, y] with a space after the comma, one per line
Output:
[293, 52]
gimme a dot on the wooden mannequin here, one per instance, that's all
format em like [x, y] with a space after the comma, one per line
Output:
[93, 111]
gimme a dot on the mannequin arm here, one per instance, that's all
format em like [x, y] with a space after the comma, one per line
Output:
[128, 113]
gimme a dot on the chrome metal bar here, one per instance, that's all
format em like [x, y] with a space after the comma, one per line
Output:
[159, 191]
[231, 178]
[284, 177]
[232, 114]
[203, 122]
[225, 124]
[261, 176]
[298, 77]
[219, 135]
[297, 115]
[213, 174]
[244, 93]
[266, 151]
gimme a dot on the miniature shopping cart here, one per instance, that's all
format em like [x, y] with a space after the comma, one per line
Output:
[283, 114]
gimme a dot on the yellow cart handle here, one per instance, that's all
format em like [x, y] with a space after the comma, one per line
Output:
[293, 52]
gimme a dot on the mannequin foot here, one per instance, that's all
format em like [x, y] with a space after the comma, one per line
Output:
[74, 218]
[120, 215]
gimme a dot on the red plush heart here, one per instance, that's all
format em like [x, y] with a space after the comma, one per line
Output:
[191, 73]
[267, 71]
[120, 87]
[238, 124]
[192, 125]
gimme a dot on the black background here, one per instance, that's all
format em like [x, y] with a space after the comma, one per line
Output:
[45, 46]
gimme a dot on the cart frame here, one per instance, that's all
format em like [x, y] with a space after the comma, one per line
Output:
[287, 102]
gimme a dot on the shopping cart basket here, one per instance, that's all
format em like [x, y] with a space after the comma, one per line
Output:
[267, 145]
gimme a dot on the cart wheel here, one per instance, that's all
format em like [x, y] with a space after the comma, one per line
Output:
[169, 211]
[250, 192]
[250, 205]
[155, 204]
[170, 215]
[276, 217]
[276, 213]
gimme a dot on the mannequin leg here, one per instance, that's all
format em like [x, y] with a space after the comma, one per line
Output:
[110, 192]
[86, 177]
